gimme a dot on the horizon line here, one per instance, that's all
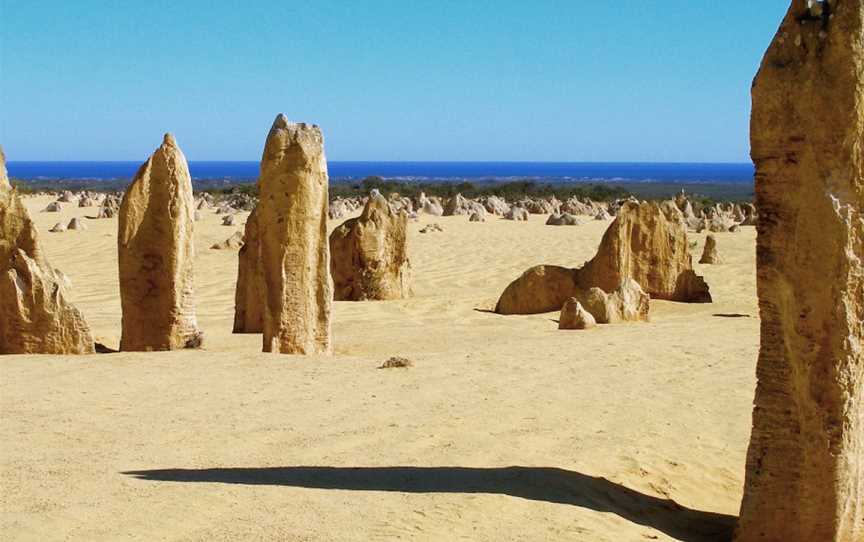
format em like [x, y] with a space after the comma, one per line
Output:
[722, 162]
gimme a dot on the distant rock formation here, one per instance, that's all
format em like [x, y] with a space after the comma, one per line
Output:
[643, 244]
[35, 314]
[602, 215]
[292, 221]
[430, 206]
[235, 242]
[519, 214]
[249, 297]
[563, 219]
[458, 205]
[156, 252]
[496, 205]
[369, 254]
[710, 254]
[338, 209]
[109, 208]
[76, 224]
[805, 463]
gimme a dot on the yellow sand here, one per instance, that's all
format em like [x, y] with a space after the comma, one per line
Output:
[505, 428]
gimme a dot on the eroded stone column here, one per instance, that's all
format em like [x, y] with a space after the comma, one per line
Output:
[292, 221]
[156, 253]
[805, 464]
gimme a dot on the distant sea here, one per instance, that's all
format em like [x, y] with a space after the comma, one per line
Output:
[556, 172]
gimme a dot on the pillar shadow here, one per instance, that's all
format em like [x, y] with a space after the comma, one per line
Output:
[534, 483]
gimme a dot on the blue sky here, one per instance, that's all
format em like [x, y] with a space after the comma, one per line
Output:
[637, 80]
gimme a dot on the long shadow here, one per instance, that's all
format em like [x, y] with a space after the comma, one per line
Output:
[534, 483]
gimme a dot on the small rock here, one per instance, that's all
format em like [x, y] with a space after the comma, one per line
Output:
[397, 362]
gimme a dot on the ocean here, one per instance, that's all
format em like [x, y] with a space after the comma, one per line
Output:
[554, 172]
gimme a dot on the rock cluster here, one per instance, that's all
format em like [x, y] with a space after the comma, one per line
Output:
[369, 254]
[645, 243]
[156, 252]
[628, 303]
[805, 464]
[295, 253]
[35, 314]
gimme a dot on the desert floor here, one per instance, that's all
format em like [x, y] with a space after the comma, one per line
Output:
[505, 428]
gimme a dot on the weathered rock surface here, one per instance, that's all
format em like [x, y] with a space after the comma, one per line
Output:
[430, 206]
[574, 316]
[4, 176]
[295, 253]
[629, 303]
[543, 288]
[602, 215]
[642, 244]
[805, 463]
[563, 219]
[369, 254]
[338, 209]
[519, 214]
[496, 205]
[76, 224]
[35, 314]
[67, 197]
[109, 208]
[235, 242]
[458, 205]
[156, 253]
[249, 296]
[710, 254]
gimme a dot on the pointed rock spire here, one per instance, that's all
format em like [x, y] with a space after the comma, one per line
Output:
[156, 253]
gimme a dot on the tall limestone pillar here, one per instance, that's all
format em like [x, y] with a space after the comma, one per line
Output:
[805, 464]
[156, 255]
[295, 254]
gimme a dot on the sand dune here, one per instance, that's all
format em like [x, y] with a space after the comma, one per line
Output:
[505, 428]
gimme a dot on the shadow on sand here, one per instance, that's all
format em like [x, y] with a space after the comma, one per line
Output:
[534, 483]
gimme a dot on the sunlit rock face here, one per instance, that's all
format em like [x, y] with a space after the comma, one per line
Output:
[35, 314]
[156, 252]
[805, 464]
[295, 253]
[369, 254]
